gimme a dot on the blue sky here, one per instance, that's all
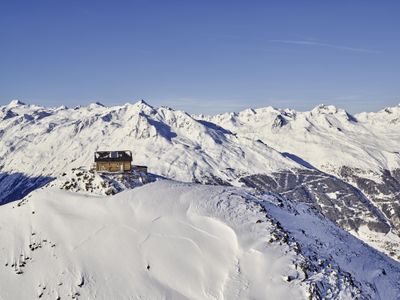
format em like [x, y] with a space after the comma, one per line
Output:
[201, 56]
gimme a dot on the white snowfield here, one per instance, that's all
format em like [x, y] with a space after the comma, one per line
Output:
[170, 240]
[161, 241]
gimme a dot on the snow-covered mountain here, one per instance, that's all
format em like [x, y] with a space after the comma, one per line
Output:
[169, 240]
[326, 137]
[42, 141]
[361, 150]
[345, 168]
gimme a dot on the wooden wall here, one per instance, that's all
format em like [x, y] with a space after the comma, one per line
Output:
[116, 166]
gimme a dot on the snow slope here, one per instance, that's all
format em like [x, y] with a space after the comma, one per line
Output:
[170, 240]
[162, 241]
[377, 276]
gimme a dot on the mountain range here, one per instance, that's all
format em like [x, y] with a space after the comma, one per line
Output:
[324, 166]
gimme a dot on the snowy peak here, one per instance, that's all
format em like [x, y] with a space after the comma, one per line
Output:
[15, 103]
[285, 130]
[389, 116]
[141, 105]
[331, 132]
[171, 142]
[325, 109]
[393, 109]
[330, 110]
[95, 105]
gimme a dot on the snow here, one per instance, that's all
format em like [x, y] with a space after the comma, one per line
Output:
[41, 143]
[387, 243]
[15, 103]
[171, 240]
[376, 274]
[163, 240]
[327, 137]
[332, 195]
[191, 147]
[90, 182]
[46, 142]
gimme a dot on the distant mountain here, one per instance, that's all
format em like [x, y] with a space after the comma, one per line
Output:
[45, 141]
[347, 167]
[353, 162]
[326, 137]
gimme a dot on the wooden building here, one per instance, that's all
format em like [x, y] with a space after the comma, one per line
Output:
[113, 161]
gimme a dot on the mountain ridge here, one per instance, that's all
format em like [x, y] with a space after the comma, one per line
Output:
[184, 241]
[345, 166]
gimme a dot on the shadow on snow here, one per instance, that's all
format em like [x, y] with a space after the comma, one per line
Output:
[14, 186]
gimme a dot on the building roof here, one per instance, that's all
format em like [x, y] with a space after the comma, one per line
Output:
[110, 156]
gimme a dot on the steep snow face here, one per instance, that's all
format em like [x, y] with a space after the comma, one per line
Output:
[46, 142]
[326, 137]
[163, 240]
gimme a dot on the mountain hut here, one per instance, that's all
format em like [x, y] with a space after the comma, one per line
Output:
[113, 161]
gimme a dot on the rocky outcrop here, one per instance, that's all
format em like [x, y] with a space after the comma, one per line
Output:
[339, 201]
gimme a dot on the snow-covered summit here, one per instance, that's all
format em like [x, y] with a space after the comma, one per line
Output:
[95, 105]
[325, 109]
[15, 103]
